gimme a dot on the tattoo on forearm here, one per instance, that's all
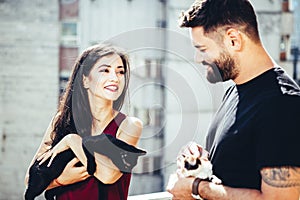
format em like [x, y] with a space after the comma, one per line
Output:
[281, 176]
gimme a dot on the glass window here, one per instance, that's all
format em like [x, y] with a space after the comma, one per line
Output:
[69, 33]
[296, 33]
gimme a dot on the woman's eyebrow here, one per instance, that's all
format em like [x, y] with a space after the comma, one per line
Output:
[106, 65]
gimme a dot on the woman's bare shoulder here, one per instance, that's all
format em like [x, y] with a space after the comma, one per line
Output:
[130, 129]
[133, 122]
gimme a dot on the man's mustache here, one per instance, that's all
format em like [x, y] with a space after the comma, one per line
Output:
[209, 64]
[216, 69]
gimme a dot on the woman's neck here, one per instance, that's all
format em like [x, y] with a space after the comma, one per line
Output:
[101, 120]
[102, 113]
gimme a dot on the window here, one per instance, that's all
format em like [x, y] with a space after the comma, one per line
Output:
[69, 33]
[295, 37]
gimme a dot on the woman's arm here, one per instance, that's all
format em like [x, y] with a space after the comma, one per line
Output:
[71, 173]
[44, 146]
[129, 131]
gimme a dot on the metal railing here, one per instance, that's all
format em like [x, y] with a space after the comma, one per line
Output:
[295, 52]
[152, 196]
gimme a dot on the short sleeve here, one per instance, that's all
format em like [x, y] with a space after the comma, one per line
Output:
[278, 133]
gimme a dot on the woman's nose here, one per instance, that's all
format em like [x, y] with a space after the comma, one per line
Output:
[113, 76]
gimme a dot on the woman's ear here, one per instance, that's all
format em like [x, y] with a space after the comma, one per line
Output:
[233, 39]
[85, 81]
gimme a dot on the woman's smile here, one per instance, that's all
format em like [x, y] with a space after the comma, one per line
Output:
[112, 88]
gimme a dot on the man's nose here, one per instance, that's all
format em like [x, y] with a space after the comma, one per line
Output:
[198, 57]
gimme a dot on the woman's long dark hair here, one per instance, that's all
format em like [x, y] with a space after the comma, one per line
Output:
[74, 114]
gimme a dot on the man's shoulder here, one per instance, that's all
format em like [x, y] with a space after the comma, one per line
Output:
[287, 85]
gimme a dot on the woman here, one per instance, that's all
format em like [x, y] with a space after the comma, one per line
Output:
[90, 106]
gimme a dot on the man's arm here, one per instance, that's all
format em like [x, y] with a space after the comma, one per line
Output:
[277, 183]
[282, 176]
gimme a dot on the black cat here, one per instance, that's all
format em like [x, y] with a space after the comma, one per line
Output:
[123, 155]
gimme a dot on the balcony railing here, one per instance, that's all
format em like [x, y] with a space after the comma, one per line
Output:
[152, 196]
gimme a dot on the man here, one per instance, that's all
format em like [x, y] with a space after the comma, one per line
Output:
[253, 141]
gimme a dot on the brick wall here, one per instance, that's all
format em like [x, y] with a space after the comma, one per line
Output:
[28, 85]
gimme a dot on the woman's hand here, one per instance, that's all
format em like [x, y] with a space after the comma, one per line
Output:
[63, 145]
[72, 173]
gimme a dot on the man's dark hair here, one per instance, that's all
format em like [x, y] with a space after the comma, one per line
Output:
[214, 14]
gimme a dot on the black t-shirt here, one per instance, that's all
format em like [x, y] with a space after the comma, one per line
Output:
[257, 125]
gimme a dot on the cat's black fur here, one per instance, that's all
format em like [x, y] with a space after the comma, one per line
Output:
[123, 155]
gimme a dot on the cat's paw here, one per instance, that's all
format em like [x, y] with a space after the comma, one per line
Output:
[216, 180]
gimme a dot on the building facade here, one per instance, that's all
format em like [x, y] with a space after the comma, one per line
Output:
[28, 85]
[40, 41]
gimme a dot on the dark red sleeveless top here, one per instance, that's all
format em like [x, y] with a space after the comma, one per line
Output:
[92, 188]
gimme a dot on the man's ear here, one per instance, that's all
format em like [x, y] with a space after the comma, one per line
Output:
[233, 39]
[85, 81]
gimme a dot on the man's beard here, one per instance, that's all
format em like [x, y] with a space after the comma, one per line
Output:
[221, 69]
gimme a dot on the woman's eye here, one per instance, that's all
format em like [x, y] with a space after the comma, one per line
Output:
[121, 72]
[104, 70]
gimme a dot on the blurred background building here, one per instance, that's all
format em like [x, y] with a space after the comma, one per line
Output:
[40, 41]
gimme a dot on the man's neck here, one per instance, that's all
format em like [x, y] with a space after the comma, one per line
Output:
[252, 61]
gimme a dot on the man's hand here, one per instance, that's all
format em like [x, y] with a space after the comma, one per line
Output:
[182, 189]
[193, 149]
